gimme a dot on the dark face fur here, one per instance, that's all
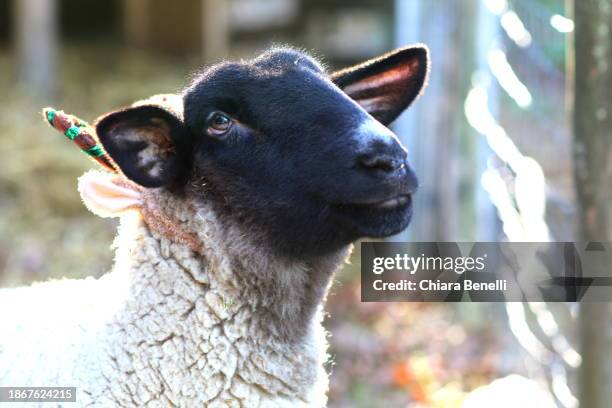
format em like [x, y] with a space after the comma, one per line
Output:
[279, 145]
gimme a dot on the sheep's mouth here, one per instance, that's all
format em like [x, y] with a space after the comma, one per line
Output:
[377, 218]
[388, 204]
[392, 203]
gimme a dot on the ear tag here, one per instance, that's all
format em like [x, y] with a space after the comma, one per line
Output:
[108, 195]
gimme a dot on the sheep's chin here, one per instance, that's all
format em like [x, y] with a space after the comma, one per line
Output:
[376, 220]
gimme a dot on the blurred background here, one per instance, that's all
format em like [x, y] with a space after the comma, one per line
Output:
[511, 141]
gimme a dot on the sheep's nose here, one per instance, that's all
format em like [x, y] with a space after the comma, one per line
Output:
[387, 161]
[384, 163]
[380, 150]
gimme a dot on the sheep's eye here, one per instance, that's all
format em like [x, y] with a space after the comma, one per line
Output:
[219, 123]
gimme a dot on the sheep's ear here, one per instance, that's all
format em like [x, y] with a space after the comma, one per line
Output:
[108, 195]
[147, 142]
[387, 85]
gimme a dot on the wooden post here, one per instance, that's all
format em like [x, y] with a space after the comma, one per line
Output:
[593, 175]
[433, 127]
[136, 22]
[215, 30]
[487, 226]
[36, 43]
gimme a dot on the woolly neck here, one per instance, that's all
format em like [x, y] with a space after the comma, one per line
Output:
[236, 256]
[231, 301]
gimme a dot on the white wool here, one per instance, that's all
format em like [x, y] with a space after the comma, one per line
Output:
[168, 326]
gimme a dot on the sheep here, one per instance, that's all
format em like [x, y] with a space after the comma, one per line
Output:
[238, 201]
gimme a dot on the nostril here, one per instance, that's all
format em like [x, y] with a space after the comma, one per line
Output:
[378, 162]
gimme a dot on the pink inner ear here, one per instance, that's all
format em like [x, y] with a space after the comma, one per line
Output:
[389, 82]
[107, 195]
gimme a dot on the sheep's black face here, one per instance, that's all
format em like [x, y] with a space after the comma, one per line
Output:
[278, 144]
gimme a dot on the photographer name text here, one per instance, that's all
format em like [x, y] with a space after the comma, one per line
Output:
[427, 285]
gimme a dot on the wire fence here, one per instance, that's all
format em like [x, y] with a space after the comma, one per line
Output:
[527, 62]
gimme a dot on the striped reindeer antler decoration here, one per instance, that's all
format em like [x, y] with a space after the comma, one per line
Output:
[82, 134]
